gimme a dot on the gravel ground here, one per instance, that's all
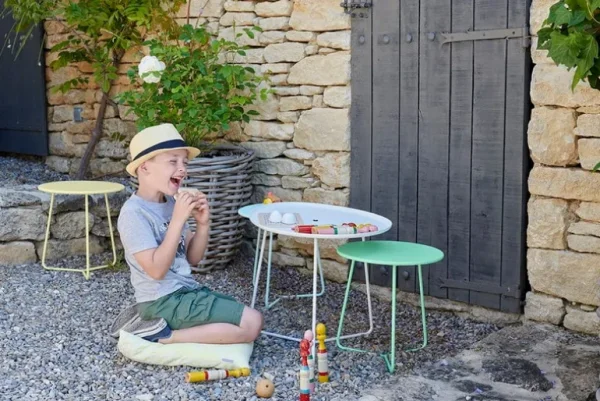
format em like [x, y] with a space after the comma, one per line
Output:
[54, 342]
[22, 170]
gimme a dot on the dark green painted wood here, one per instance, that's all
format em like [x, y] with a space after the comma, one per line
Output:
[459, 186]
[23, 126]
[434, 101]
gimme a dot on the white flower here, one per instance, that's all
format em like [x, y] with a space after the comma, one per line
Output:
[150, 64]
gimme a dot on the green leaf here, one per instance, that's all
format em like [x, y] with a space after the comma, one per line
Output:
[544, 38]
[595, 4]
[151, 113]
[578, 17]
[563, 15]
[596, 167]
[565, 48]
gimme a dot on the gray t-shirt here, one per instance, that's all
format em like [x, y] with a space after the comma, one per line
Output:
[143, 225]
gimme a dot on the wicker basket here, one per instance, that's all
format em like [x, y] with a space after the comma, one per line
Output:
[223, 174]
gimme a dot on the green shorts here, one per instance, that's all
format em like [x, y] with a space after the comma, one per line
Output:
[193, 307]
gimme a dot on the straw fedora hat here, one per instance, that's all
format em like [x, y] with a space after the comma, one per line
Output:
[154, 140]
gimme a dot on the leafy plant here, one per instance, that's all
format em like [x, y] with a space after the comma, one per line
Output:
[100, 32]
[186, 81]
[570, 34]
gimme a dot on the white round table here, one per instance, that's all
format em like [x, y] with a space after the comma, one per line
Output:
[313, 214]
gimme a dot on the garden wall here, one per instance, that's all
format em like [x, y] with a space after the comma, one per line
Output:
[563, 236]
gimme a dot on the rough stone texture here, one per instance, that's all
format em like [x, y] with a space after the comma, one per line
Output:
[337, 96]
[22, 224]
[551, 136]
[281, 8]
[239, 6]
[266, 150]
[288, 116]
[58, 249]
[70, 225]
[565, 183]
[551, 85]
[270, 130]
[299, 154]
[336, 40]
[237, 19]
[333, 69]
[282, 52]
[286, 90]
[322, 15]
[266, 180]
[12, 198]
[588, 125]
[584, 243]
[589, 152]
[544, 308]
[585, 228]
[280, 68]
[280, 166]
[324, 129]
[275, 23]
[588, 211]
[548, 221]
[17, 252]
[267, 108]
[333, 169]
[585, 322]
[292, 103]
[538, 13]
[320, 195]
[570, 275]
[310, 90]
[332, 270]
[244, 40]
[281, 259]
[292, 182]
[286, 195]
[101, 229]
[300, 36]
[270, 37]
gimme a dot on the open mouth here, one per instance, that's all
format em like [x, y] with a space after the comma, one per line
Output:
[176, 181]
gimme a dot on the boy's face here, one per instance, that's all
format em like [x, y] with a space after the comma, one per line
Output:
[165, 171]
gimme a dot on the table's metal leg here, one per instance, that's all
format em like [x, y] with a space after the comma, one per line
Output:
[316, 263]
[256, 255]
[86, 273]
[390, 360]
[423, 313]
[257, 279]
[269, 260]
[47, 234]
[112, 236]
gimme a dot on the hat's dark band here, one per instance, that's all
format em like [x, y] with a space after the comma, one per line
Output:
[173, 143]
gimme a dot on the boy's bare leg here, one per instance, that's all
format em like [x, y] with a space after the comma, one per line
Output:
[221, 333]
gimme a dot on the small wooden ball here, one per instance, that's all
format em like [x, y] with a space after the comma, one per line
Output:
[265, 388]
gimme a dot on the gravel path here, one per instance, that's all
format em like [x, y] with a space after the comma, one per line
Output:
[54, 343]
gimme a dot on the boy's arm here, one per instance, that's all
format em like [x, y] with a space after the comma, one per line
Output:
[196, 244]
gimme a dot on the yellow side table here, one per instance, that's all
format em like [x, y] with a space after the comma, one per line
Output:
[84, 188]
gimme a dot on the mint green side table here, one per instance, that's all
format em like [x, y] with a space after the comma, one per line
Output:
[394, 254]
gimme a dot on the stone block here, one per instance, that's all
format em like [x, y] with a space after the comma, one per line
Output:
[324, 129]
[279, 68]
[585, 228]
[589, 152]
[281, 259]
[14, 198]
[70, 225]
[237, 19]
[584, 243]
[582, 321]
[266, 150]
[286, 90]
[551, 86]
[337, 96]
[548, 221]
[333, 169]
[588, 211]
[564, 274]
[333, 69]
[551, 136]
[286, 195]
[269, 130]
[22, 224]
[538, 13]
[231, 34]
[266, 180]
[274, 24]
[336, 40]
[311, 90]
[320, 195]
[101, 229]
[288, 116]
[292, 182]
[280, 166]
[282, 52]
[588, 125]
[300, 36]
[292, 103]
[60, 249]
[239, 6]
[281, 8]
[332, 270]
[269, 37]
[17, 253]
[565, 183]
[60, 164]
[322, 15]
[299, 154]
[544, 308]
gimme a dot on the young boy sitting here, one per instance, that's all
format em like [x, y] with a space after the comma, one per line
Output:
[159, 248]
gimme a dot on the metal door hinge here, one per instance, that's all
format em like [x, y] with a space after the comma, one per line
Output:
[350, 6]
[489, 288]
[508, 33]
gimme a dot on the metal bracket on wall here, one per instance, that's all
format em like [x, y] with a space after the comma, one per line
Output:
[350, 6]
[508, 33]
[509, 291]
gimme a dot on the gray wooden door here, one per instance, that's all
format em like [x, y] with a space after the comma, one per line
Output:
[439, 139]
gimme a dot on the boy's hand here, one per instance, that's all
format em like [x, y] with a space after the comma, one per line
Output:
[184, 207]
[201, 213]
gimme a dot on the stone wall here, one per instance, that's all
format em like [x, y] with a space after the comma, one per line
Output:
[302, 136]
[563, 235]
[24, 216]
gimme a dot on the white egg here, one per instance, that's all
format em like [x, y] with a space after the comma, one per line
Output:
[275, 217]
[288, 218]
